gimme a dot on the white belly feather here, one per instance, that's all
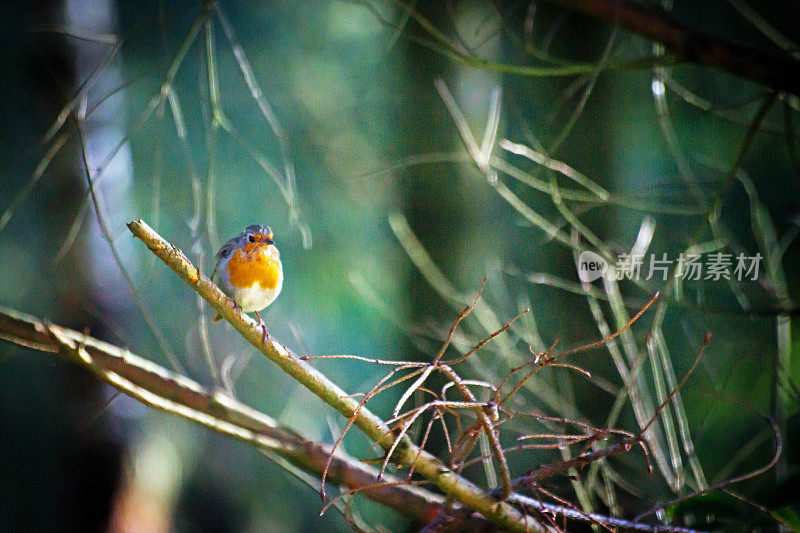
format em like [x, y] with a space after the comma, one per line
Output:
[255, 298]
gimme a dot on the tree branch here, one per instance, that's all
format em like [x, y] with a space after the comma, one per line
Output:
[778, 71]
[406, 454]
[157, 387]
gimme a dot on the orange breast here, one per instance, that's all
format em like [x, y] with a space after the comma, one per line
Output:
[252, 264]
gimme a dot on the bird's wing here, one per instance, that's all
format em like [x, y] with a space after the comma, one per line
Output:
[224, 252]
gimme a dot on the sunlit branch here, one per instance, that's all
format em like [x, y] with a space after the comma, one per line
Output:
[407, 454]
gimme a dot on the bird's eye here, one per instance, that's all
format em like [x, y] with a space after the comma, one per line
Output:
[251, 238]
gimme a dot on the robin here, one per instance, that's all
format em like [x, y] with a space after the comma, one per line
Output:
[249, 271]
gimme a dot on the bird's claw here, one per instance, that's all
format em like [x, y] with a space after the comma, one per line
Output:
[263, 326]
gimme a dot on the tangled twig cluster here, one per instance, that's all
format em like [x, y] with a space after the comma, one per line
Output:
[486, 416]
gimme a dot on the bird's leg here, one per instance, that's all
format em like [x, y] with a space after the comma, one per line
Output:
[263, 328]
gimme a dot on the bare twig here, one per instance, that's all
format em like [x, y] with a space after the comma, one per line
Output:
[486, 414]
[725, 483]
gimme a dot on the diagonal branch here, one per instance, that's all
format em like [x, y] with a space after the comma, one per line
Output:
[406, 454]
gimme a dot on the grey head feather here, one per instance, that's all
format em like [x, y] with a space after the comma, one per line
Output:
[258, 228]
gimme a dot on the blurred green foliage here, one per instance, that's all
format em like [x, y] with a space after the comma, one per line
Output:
[352, 86]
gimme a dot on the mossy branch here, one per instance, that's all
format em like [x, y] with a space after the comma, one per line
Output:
[460, 489]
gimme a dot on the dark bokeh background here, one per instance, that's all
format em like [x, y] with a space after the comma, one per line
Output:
[353, 89]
